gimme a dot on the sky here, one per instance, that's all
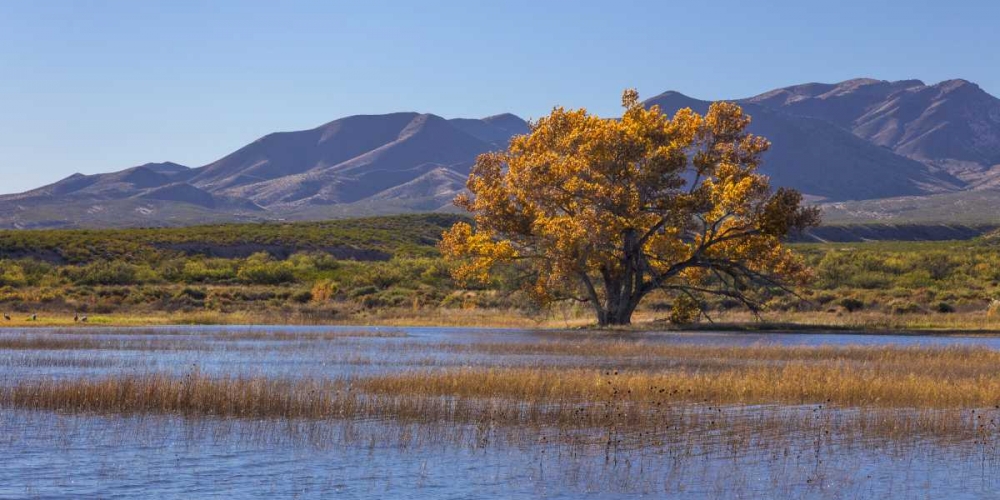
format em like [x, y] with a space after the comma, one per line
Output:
[98, 86]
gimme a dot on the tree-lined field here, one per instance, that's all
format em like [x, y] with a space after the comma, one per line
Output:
[390, 268]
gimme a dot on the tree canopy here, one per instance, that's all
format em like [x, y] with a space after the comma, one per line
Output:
[606, 211]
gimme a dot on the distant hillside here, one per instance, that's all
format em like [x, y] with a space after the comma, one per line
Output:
[869, 151]
[377, 164]
[365, 239]
[844, 233]
[823, 160]
[953, 125]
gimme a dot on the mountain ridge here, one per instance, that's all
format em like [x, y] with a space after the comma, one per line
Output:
[952, 126]
[338, 163]
[864, 148]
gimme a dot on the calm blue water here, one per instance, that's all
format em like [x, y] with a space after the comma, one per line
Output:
[49, 455]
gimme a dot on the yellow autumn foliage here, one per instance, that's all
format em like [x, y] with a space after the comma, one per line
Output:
[607, 210]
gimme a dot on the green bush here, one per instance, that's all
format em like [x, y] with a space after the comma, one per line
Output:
[12, 274]
[209, 271]
[266, 273]
[104, 273]
[684, 311]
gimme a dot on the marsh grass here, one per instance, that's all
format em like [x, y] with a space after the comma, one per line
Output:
[942, 361]
[733, 397]
[32, 361]
[621, 423]
[66, 342]
[794, 383]
[873, 321]
[547, 372]
[852, 376]
[191, 394]
[287, 335]
[164, 341]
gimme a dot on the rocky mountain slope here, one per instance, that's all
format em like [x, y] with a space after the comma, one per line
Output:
[868, 150]
[953, 126]
[400, 162]
[826, 161]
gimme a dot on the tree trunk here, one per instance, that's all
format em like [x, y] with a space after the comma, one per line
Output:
[619, 318]
[623, 289]
[616, 315]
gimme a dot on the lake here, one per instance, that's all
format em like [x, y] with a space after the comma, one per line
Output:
[58, 454]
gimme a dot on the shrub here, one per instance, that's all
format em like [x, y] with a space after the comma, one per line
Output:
[301, 296]
[455, 300]
[324, 290]
[363, 291]
[937, 265]
[208, 271]
[269, 272]
[851, 304]
[684, 311]
[824, 298]
[870, 280]
[916, 279]
[193, 293]
[105, 273]
[11, 274]
[307, 265]
[904, 307]
[381, 276]
[944, 308]
[993, 310]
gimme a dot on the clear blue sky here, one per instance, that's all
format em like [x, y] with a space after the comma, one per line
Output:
[95, 86]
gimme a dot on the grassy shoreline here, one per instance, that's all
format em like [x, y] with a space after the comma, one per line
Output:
[874, 324]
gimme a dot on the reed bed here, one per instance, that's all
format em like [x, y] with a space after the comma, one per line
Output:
[286, 335]
[938, 361]
[31, 361]
[887, 377]
[621, 422]
[217, 342]
[793, 383]
[47, 343]
[191, 394]
[630, 348]
[65, 342]
[858, 391]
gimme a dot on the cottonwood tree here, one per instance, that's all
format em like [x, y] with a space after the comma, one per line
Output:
[606, 211]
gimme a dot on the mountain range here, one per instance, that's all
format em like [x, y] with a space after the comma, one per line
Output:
[866, 150]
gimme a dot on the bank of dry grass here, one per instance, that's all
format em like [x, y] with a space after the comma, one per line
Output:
[944, 362]
[192, 394]
[855, 377]
[804, 321]
[794, 384]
